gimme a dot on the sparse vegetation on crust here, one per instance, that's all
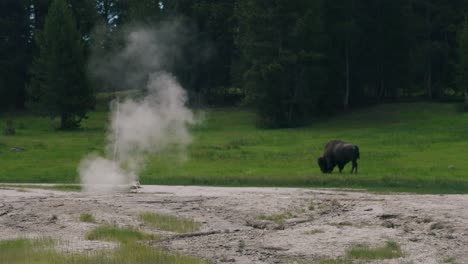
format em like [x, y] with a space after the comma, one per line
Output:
[313, 232]
[277, 218]
[118, 234]
[170, 223]
[391, 250]
[281, 218]
[87, 218]
[449, 260]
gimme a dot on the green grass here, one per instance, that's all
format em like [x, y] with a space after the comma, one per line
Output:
[449, 260]
[23, 251]
[404, 147]
[389, 251]
[365, 253]
[118, 234]
[57, 187]
[87, 218]
[170, 223]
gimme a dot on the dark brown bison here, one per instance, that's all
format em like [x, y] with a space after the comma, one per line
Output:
[338, 153]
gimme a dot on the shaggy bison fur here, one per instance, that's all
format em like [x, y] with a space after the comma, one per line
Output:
[338, 153]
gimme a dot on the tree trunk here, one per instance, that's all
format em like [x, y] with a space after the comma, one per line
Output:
[428, 77]
[67, 122]
[466, 98]
[346, 95]
[382, 89]
[428, 73]
[106, 11]
[64, 123]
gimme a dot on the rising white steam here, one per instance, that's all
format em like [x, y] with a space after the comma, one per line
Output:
[140, 127]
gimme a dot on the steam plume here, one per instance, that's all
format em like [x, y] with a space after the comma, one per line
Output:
[139, 127]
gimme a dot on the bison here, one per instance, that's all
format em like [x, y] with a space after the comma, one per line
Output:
[338, 153]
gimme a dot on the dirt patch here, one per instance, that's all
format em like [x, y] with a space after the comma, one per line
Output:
[429, 228]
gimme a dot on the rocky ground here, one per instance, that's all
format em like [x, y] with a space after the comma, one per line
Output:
[310, 224]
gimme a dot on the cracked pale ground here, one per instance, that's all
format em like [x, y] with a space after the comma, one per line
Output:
[320, 223]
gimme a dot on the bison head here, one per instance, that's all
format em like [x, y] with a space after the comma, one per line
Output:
[323, 165]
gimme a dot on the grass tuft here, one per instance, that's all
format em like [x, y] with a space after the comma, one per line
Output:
[365, 253]
[118, 234]
[87, 218]
[389, 251]
[449, 260]
[170, 223]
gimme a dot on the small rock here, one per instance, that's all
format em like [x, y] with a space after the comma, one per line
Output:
[388, 216]
[368, 209]
[278, 227]
[388, 224]
[407, 229]
[258, 224]
[4, 212]
[414, 239]
[134, 186]
[345, 223]
[227, 260]
[451, 167]
[53, 219]
[427, 220]
[436, 225]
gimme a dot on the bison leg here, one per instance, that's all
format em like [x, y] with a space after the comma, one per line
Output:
[354, 167]
[330, 165]
[340, 166]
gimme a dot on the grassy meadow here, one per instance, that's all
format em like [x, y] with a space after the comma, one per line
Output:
[404, 147]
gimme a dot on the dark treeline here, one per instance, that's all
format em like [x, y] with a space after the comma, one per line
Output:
[290, 60]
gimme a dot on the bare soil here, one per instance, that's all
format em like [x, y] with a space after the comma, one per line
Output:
[320, 223]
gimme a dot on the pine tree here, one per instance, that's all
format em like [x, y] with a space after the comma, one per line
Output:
[15, 52]
[281, 46]
[59, 87]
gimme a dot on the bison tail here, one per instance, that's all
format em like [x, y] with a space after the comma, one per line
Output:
[357, 152]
